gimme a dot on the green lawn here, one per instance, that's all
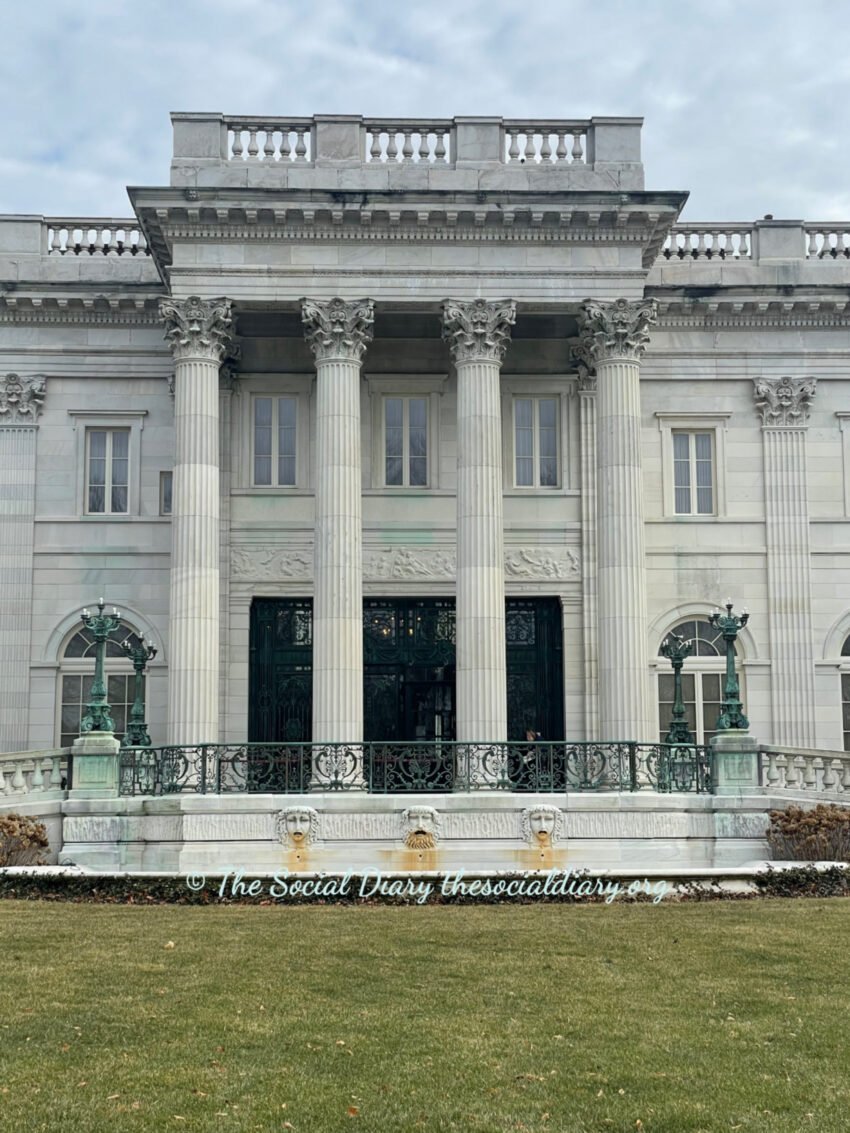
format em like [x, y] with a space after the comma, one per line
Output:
[543, 1018]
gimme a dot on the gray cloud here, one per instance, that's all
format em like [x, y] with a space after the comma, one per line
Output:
[747, 103]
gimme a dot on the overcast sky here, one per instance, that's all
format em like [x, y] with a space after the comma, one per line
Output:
[747, 102]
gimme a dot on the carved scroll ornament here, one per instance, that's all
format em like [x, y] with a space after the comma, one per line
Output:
[478, 330]
[197, 328]
[619, 329]
[337, 328]
[783, 401]
[21, 399]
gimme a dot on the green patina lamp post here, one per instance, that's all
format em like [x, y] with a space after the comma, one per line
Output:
[98, 717]
[731, 710]
[139, 653]
[676, 649]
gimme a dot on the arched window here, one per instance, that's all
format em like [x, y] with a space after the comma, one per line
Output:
[702, 680]
[77, 676]
[845, 693]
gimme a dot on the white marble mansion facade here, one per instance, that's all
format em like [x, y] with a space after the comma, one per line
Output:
[426, 366]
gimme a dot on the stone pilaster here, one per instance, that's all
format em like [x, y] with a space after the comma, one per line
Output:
[199, 333]
[783, 405]
[338, 333]
[587, 440]
[615, 336]
[21, 402]
[478, 334]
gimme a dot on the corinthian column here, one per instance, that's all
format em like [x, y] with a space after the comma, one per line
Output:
[614, 337]
[478, 333]
[338, 333]
[199, 333]
[783, 405]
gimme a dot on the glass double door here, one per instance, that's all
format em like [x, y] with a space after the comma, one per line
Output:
[408, 670]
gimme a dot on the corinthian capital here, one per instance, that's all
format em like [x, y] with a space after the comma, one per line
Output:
[619, 329]
[478, 330]
[21, 399]
[783, 401]
[338, 329]
[197, 328]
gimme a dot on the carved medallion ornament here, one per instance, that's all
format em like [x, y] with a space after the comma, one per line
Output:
[21, 399]
[478, 330]
[783, 401]
[197, 328]
[338, 329]
[619, 329]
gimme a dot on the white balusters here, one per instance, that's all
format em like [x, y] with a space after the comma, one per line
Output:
[530, 143]
[708, 242]
[805, 770]
[275, 134]
[95, 238]
[827, 241]
[420, 142]
[31, 773]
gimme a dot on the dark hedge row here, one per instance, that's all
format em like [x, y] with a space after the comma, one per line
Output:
[118, 889]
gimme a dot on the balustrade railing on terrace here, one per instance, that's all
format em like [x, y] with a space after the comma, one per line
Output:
[400, 767]
[26, 775]
[269, 139]
[709, 242]
[826, 241]
[556, 142]
[805, 770]
[85, 236]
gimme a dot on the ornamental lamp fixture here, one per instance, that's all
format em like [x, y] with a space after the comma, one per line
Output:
[676, 649]
[98, 715]
[139, 653]
[731, 709]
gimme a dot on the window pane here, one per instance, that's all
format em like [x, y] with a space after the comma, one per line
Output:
[546, 410]
[120, 444]
[416, 413]
[681, 446]
[286, 471]
[418, 445]
[263, 412]
[523, 411]
[702, 446]
[166, 483]
[394, 470]
[97, 499]
[119, 499]
[286, 441]
[524, 472]
[394, 410]
[418, 472]
[548, 472]
[262, 470]
[97, 444]
[286, 412]
[79, 645]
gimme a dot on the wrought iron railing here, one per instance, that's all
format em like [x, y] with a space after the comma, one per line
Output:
[386, 768]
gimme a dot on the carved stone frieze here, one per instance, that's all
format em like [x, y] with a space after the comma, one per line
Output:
[197, 328]
[265, 563]
[619, 329]
[402, 563]
[542, 825]
[478, 330]
[538, 562]
[21, 399]
[338, 328]
[297, 826]
[783, 401]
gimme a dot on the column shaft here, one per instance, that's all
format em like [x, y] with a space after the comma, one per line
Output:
[623, 677]
[587, 427]
[194, 605]
[481, 675]
[338, 608]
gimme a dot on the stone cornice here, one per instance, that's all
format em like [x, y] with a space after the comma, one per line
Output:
[197, 328]
[21, 399]
[478, 329]
[833, 311]
[338, 329]
[619, 329]
[784, 402]
[80, 310]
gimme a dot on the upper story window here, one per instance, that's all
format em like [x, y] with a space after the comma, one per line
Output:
[406, 442]
[536, 442]
[275, 439]
[693, 473]
[107, 471]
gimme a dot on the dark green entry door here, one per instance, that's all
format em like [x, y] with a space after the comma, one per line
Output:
[408, 669]
[280, 680]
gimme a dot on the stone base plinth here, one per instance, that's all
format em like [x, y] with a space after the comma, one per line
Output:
[95, 766]
[736, 762]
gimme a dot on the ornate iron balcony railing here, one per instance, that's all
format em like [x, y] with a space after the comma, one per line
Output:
[387, 768]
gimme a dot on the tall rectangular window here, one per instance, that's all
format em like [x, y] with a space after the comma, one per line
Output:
[406, 442]
[107, 471]
[275, 429]
[166, 484]
[536, 442]
[693, 473]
